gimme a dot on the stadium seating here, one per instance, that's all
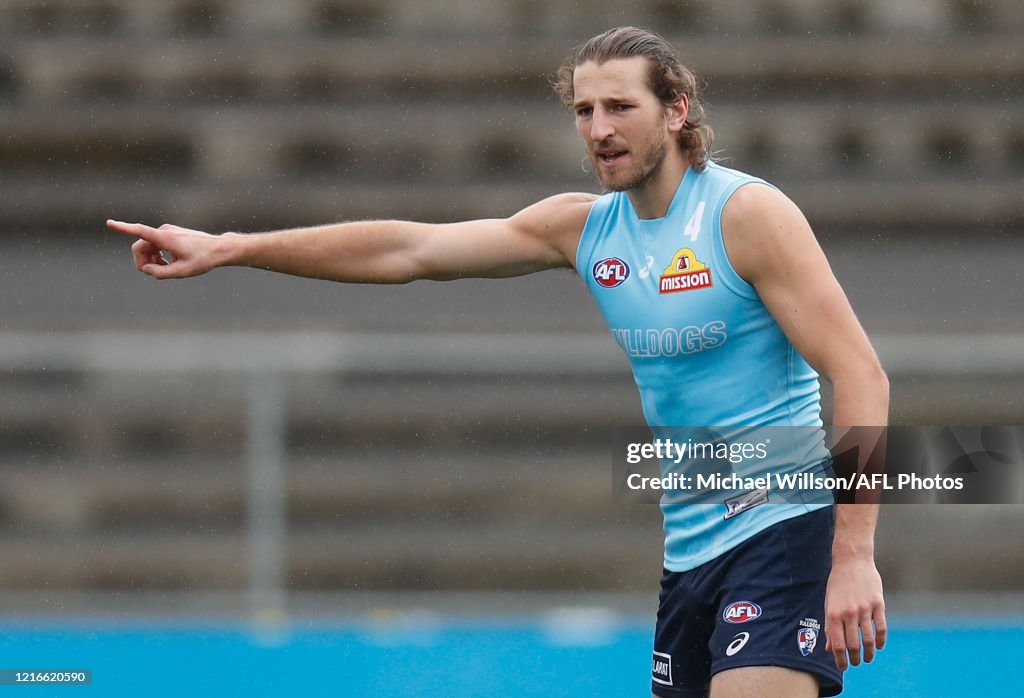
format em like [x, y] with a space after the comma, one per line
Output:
[257, 114]
[348, 108]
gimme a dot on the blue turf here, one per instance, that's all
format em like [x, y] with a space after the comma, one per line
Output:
[465, 658]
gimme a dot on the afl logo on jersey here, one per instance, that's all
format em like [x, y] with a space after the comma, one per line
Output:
[611, 272]
[741, 612]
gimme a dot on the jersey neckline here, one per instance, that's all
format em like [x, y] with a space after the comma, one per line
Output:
[676, 198]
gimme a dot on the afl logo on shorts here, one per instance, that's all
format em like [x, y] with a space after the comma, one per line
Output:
[611, 272]
[741, 612]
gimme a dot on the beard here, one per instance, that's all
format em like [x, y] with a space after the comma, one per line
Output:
[645, 164]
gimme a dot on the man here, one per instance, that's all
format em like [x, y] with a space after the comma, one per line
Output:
[726, 271]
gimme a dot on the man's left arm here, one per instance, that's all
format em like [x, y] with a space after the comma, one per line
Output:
[772, 247]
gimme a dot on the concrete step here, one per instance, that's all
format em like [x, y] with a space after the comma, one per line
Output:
[436, 485]
[181, 417]
[411, 67]
[919, 548]
[81, 203]
[257, 18]
[469, 141]
[505, 555]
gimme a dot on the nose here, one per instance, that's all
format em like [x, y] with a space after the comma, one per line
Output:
[600, 126]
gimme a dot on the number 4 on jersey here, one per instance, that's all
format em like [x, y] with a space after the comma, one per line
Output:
[693, 227]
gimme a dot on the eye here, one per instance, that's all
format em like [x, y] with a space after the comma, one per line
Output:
[584, 111]
[623, 107]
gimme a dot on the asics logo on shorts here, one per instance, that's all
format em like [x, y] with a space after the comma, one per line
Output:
[737, 644]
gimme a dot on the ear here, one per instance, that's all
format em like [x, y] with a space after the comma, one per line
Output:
[677, 113]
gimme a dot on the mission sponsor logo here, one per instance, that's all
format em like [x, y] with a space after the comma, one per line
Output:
[741, 612]
[684, 273]
[611, 272]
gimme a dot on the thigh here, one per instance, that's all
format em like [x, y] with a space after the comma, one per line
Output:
[763, 682]
[772, 609]
[681, 666]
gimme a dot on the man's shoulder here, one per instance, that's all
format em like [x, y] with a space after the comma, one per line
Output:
[558, 215]
[569, 204]
[758, 223]
[557, 221]
[754, 197]
[578, 197]
[730, 180]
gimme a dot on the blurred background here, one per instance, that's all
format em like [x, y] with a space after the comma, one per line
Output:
[250, 446]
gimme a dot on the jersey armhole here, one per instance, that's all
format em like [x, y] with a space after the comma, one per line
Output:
[729, 276]
[585, 246]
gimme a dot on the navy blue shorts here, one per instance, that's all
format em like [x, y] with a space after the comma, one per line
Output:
[759, 604]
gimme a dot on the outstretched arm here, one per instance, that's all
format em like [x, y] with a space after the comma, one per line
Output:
[541, 236]
[771, 246]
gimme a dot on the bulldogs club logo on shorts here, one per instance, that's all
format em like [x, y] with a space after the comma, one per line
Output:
[741, 612]
[807, 635]
[806, 639]
[611, 272]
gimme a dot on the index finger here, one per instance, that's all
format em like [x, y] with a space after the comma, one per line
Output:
[137, 229]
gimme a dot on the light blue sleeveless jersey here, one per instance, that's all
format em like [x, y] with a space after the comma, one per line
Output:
[703, 348]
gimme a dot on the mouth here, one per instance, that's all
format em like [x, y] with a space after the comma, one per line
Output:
[611, 158]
